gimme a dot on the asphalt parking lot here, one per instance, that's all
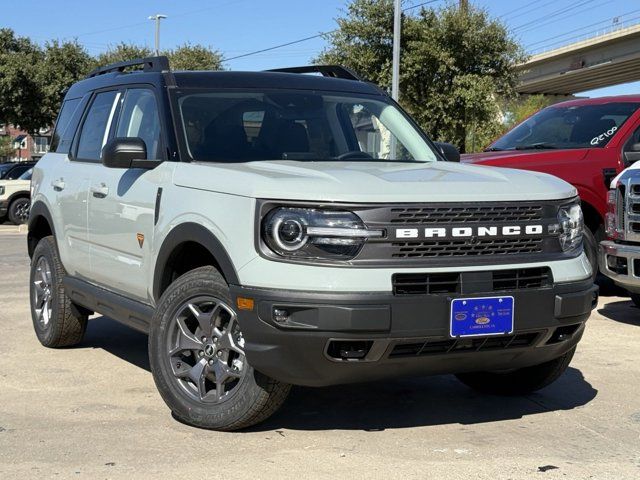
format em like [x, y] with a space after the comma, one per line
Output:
[93, 412]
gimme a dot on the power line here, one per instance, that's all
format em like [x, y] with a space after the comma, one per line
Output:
[527, 6]
[557, 18]
[534, 9]
[554, 13]
[546, 40]
[305, 39]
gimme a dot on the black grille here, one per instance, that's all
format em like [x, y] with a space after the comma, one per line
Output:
[471, 282]
[522, 278]
[439, 346]
[467, 248]
[466, 214]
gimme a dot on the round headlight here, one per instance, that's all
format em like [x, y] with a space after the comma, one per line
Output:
[287, 230]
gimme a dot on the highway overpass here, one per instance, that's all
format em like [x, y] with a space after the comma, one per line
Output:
[601, 61]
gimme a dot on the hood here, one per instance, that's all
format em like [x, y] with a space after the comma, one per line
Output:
[518, 158]
[371, 182]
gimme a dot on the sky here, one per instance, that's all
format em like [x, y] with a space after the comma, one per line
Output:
[236, 27]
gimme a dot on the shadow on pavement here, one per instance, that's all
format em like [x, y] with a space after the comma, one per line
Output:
[121, 341]
[623, 312]
[375, 406]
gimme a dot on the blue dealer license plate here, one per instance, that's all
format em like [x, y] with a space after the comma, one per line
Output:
[481, 316]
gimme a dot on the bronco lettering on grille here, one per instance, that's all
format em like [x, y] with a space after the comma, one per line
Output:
[469, 232]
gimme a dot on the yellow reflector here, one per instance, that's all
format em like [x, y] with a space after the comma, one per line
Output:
[245, 303]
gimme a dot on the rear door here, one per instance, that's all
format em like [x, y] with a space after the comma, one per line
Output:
[70, 181]
[122, 201]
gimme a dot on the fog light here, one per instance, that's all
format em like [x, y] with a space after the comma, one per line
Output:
[280, 315]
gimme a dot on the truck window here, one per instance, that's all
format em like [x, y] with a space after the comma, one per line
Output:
[62, 123]
[92, 135]
[139, 118]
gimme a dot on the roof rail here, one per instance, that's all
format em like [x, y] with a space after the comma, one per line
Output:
[150, 64]
[334, 71]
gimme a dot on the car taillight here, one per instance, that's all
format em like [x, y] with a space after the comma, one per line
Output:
[613, 228]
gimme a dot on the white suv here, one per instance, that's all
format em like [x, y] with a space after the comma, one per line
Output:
[277, 228]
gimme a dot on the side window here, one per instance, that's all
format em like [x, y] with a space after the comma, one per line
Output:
[93, 135]
[139, 118]
[15, 172]
[62, 123]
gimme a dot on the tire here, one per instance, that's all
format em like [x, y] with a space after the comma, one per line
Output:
[635, 298]
[18, 212]
[591, 250]
[56, 320]
[518, 382]
[197, 357]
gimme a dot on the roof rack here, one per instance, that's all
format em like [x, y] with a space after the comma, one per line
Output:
[150, 64]
[334, 71]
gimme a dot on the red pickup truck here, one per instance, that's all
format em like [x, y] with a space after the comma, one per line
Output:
[586, 142]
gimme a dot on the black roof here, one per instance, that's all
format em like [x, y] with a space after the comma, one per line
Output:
[225, 79]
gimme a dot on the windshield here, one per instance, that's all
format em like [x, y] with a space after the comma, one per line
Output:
[27, 175]
[297, 125]
[585, 126]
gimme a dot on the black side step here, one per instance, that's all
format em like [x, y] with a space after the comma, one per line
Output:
[131, 313]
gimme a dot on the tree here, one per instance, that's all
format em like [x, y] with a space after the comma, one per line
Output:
[122, 52]
[6, 147]
[456, 64]
[34, 79]
[184, 57]
[194, 57]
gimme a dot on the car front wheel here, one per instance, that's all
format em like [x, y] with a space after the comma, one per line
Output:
[19, 211]
[196, 352]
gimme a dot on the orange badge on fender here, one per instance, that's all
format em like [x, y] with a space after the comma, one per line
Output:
[140, 238]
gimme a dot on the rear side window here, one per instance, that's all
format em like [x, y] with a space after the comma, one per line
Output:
[62, 124]
[93, 134]
[139, 118]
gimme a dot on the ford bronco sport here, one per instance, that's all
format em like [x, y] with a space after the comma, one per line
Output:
[278, 228]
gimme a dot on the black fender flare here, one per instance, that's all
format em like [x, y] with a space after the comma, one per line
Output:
[192, 232]
[38, 209]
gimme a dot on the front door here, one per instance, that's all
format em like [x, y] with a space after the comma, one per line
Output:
[122, 203]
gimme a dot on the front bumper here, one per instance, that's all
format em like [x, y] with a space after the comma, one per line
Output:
[336, 338]
[621, 263]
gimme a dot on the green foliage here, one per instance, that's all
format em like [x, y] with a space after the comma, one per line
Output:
[194, 57]
[122, 52]
[6, 146]
[456, 65]
[524, 106]
[33, 79]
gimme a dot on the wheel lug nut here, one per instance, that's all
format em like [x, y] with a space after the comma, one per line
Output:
[220, 353]
[211, 362]
[204, 339]
[201, 353]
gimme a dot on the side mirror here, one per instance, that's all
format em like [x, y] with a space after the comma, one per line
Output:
[450, 152]
[632, 154]
[127, 152]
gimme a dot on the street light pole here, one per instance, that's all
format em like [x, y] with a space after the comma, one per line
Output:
[395, 76]
[157, 17]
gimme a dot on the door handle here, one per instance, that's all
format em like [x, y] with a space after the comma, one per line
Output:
[100, 191]
[58, 185]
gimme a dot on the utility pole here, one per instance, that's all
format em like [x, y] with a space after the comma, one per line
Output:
[395, 76]
[157, 17]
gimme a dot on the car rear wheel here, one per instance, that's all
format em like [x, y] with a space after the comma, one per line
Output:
[521, 381]
[56, 320]
[196, 351]
[19, 211]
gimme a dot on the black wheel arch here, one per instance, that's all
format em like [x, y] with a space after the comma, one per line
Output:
[40, 225]
[189, 234]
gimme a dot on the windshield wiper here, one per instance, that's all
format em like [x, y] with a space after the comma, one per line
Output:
[536, 146]
[493, 149]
